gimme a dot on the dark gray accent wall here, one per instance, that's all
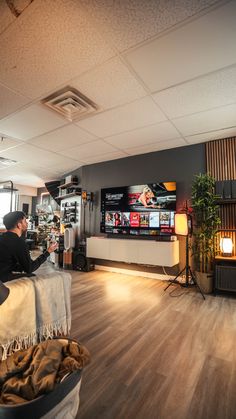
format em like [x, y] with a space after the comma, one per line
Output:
[177, 164]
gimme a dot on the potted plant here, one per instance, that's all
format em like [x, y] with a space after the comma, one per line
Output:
[206, 222]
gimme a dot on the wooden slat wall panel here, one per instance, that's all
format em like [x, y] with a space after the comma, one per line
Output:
[221, 164]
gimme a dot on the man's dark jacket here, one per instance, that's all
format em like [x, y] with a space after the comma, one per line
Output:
[15, 257]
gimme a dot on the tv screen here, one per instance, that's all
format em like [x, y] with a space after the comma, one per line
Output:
[139, 210]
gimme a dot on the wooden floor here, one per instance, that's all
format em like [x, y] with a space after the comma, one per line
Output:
[153, 356]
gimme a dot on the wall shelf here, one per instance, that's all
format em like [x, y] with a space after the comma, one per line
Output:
[68, 195]
[226, 201]
[68, 185]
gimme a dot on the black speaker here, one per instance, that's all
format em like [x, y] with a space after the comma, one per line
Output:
[219, 188]
[233, 189]
[227, 189]
[82, 263]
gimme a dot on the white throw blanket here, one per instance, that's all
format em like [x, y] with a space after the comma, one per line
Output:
[18, 318]
[53, 308]
[37, 308]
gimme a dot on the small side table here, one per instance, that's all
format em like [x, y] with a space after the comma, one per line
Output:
[225, 273]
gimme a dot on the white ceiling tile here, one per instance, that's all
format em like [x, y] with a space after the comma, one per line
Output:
[31, 122]
[105, 157]
[212, 120]
[212, 135]
[153, 133]
[213, 90]
[199, 47]
[10, 101]
[134, 115]
[127, 23]
[63, 138]
[96, 148]
[36, 156]
[52, 43]
[6, 17]
[66, 165]
[109, 85]
[162, 145]
[6, 143]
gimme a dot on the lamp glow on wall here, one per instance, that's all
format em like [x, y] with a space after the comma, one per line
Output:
[181, 224]
[226, 246]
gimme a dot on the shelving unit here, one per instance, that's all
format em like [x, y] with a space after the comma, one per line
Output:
[70, 185]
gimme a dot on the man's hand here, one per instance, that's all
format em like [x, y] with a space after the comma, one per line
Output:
[53, 246]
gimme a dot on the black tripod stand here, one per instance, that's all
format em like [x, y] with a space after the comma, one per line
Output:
[189, 274]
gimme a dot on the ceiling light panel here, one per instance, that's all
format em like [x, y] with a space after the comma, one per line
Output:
[134, 115]
[31, 122]
[201, 45]
[127, 23]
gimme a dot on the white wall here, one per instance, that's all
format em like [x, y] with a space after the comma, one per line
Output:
[25, 194]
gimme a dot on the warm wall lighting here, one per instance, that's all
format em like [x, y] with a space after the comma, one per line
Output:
[181, 224]
[226, 246]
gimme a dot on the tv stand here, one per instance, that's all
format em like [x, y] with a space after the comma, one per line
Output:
[146, 252]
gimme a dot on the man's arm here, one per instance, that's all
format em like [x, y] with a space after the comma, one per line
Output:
[23, 255]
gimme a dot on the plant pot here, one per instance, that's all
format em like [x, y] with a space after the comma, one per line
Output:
[205, 281]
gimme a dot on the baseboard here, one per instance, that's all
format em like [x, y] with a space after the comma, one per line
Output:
[134, 273]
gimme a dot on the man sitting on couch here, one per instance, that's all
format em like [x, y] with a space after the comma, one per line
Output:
[15, 260]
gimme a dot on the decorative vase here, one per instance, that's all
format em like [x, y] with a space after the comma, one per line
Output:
[205, 281]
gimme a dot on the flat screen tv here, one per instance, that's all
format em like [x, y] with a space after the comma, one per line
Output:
[139, 210]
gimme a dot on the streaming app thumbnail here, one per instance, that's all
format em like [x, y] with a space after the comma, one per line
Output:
[144, 220]
[125, 219]
[134, 219]
[154, 220]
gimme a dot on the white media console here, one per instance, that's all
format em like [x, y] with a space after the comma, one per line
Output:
[147, 252]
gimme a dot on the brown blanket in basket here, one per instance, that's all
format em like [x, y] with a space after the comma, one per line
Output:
[30, 373]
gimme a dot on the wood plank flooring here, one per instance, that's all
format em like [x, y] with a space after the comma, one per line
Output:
[153, 356]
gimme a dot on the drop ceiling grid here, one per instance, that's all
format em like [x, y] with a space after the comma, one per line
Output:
[210, 136]
[161, 145]
[207, 92]
[109, 85]
[188, 50]
[31, 122]
[10, 101]
[51, 52]
[134, 115]
[63, 138]
[211, 120]
[151, 134]
[96, 148]
[131, 22]
[36, 156]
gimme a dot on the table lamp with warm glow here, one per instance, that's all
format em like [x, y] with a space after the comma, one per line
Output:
[226, 246]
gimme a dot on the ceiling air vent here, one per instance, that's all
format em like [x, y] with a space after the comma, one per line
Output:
[4, 163]
[70, 103]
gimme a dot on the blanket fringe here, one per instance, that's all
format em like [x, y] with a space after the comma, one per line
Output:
[16, 344]
[57, 328]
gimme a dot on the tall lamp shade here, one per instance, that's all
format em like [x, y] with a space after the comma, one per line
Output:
[181, 224]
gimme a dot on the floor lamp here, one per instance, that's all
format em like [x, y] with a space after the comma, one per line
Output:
[183, 225]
